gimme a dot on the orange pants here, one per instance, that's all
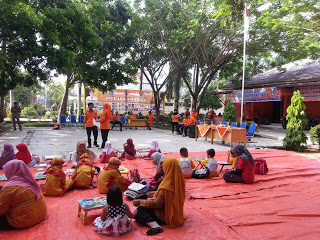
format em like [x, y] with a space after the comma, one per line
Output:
[150, 123]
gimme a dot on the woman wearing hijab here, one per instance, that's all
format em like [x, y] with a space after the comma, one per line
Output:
[245, 168]
[105, 123]
[55, 179]
[81, 149]
[7, 154]
[111, 176]
[23, 153]
[154, 148]
[83, 173]
[168, 201]
[129, 150]
[157, 159]
[107, 153]
[21, 202]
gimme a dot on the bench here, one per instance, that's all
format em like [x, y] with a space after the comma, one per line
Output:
[137, 123]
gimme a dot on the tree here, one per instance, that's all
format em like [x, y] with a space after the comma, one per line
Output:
[229, 114]
[295, 137]
[55, 93]
[211, 101]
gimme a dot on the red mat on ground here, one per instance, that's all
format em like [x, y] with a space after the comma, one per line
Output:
[284, 204]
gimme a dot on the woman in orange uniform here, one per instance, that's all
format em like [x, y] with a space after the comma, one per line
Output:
[194, 115]
[111, 176]
[150, 119]
[83, 173]
[105, 123]
[56, 178]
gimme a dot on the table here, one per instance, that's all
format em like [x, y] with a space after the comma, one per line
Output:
[223, 133]
[90, 204]
[223, 164]
[137, 123]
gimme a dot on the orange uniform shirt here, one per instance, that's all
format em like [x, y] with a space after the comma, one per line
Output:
[89, 116]
[175, 118]
[132, 116]
[105, 120]
[151, 118]
[195, 115]
[188, 121]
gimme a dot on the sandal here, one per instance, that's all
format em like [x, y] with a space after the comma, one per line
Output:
[153, 231]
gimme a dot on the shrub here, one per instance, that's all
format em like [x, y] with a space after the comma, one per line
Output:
[9, 114]
[229, 114]
[29, 112]
[296, 117]
[315, 135]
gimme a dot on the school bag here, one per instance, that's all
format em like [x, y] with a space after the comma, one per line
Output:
[134, 175]
[260, 166]
[136, 190]
[152, 185]
[201, 173]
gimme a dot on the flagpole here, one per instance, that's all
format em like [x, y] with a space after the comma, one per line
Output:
[244, 62]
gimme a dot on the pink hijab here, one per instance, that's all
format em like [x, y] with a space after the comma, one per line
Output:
[19, 175]
[7, 154]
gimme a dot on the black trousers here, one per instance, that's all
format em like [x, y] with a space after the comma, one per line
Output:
[233, 177]
[117, 122]
[93, 129]
[185, 130]
[175, 124]
[104, 134]
[14, 119]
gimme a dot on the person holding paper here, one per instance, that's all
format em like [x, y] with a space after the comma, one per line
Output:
[89, 116]
[105, 123]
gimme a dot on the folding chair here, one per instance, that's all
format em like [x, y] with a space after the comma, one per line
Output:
[234, 124]
[225, 123]
[73, 120]
[250, 133]
[80, 120]
[63, 121]
[243, 125]
[124, 122]
[198, 122]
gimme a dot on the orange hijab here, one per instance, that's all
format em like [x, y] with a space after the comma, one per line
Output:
[56, 167]
[84, 160]
[114, 163]
[174, 186]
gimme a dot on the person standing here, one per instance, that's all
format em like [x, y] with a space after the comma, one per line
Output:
[105, 123]
[150, 120]
[175, 121]
[16, 110]
[89, 115]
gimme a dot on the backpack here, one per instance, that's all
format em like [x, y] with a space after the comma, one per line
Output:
[153, 186]
[136, 190]
[134, 175]
[260, 166]
[201, 173]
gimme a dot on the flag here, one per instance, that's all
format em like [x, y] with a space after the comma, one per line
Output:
[246, 23]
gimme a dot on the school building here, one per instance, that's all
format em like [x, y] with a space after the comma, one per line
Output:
[267, 95]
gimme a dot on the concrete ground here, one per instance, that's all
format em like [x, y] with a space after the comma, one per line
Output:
[44, 141]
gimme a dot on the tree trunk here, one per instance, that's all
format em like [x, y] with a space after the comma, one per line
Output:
[64, 100]
[157, 107]
[177, 84]
[1, 108]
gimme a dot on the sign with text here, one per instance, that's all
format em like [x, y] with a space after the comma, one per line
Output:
[257, 95]
[310, 93]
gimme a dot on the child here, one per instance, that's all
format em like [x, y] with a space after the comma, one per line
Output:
[115, 217]
[56, 178]
[129, 151]
[111, 176]
[154, 148]
[83, 174]
[81, 149]
[185, 163]
[107, 153]
[233, 158]
[212, 163]
[24, 155]
[7, 154]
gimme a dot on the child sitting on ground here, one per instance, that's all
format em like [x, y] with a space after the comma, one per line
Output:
[185, 163]
[107, 153]
[115, 217]
[212, 163]
[55, 179]
[24, 155]
[83, 174]
[111, 176]
[233, 158]
[154, 148]
[129, 150]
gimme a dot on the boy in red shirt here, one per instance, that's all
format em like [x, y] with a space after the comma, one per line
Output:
[89, 115]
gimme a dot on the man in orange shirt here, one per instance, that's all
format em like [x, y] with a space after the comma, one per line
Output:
[194, 115]
[132, 116]
[187, 112]
[187, 123]
[175, 121]
[105, 123]
[150, 119]
[89, 115]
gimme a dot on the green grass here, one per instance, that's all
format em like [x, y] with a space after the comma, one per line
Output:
[162, 126]
[38, 124]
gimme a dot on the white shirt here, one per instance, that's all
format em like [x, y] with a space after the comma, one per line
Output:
[185, 166]
[212, 165]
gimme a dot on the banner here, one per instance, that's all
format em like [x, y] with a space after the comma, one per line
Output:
[122, 100]
[310, 93]
[257, 95]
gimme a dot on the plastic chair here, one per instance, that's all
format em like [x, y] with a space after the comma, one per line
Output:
[80, 120]
[124, 122]
[72, 120]
[234, 124]
[225, 123]
[63, 121]
[243, 125]
[250, 133]
[198, 122]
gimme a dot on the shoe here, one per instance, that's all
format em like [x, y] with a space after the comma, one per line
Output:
[153, 231]
[14, 129]
[89, 146]
[149, 128]
[20, 129]
[120, 130]
[96, 145]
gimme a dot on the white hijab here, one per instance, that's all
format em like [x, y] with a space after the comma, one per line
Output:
[158, 158]
[108, 148]
[155, 145]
